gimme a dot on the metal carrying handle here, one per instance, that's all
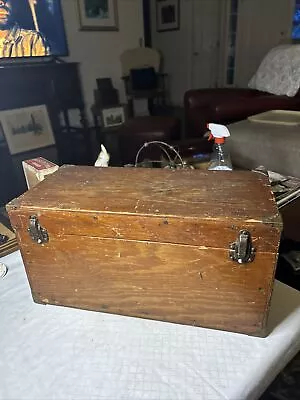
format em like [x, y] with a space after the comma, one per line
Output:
[161, 144]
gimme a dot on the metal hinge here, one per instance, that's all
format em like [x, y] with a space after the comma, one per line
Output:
[37, 233]
[242, 251]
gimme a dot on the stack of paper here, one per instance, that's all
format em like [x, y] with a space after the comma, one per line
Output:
[8, 242]
[285, 188]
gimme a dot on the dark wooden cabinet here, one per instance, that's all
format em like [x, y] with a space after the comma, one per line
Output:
[58, 86]
[55, 84]
[67, 87]
[48, 82]
[12, 181]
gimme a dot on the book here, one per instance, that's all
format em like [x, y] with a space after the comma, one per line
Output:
[36, 169]
[286, 188]
[8, 241]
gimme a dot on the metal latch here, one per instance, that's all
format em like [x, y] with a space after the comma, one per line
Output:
[242, 251]
[36, 231]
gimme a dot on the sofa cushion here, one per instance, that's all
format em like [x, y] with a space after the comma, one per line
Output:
[275, 146]
[279, 72]
[196, 98]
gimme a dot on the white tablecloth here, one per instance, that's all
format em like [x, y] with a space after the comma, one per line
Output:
[49, 352]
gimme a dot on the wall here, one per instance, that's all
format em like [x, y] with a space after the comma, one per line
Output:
[261, 26]
[175, 47]
[98, 52]
[264, 23]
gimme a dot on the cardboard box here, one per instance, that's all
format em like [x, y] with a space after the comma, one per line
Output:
[36, 169]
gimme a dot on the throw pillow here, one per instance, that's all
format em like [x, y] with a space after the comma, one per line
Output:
[279, 72]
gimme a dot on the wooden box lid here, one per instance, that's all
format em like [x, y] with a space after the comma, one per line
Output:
[194, 207]
[186, 193]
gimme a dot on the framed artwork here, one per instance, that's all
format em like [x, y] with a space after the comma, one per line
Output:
[167, 15]
[26, 128]
[113, 116]
[98, 15]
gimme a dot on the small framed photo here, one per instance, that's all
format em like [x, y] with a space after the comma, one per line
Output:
[26, 128]
[98, 15]
[113, 116]
[167, 15]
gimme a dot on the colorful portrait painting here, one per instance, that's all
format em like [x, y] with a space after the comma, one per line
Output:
[31, 28]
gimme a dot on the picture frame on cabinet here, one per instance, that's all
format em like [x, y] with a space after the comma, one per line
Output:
[113, 116]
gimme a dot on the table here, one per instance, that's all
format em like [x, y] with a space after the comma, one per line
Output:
[291, 220]
[50, 352]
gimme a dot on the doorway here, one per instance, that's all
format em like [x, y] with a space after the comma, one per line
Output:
[147, 23]
[206, 31]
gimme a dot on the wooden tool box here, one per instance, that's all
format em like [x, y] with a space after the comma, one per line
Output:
[184, 246]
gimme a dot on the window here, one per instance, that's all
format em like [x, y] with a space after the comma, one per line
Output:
[296, 21]
[233, 16]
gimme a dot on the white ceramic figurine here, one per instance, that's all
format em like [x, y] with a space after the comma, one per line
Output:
[103, 158]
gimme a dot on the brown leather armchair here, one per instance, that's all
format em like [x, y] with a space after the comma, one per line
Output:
[228, 105]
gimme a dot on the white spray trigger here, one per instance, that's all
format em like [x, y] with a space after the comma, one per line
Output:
[218, 131]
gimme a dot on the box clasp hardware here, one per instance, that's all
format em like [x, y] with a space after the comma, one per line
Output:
[242, 251]
[37, 233]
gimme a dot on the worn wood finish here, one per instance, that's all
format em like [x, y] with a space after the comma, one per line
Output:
[163, 229]
[145, 243]
[176, 283]
[144, 191]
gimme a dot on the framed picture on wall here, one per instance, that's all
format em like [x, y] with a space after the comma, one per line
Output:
[26, 128]
[98, 15]
[167, 15]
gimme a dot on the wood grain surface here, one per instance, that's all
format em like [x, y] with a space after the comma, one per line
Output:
[185, 193]
[213, 233]
[177, 283]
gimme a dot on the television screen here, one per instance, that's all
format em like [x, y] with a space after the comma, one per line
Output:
[31, 28]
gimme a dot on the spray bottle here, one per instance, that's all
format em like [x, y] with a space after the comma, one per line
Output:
[220, 159]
